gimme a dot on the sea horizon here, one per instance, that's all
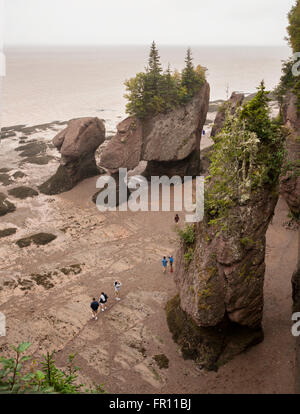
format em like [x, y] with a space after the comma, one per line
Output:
[38, 87]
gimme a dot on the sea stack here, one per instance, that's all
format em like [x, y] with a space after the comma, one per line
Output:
[169, 142]
[77, 144]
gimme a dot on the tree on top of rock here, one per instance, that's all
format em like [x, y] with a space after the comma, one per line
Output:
[154, 91]
[256, 113]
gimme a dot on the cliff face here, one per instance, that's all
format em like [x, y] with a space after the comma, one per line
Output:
[169, 142]
[220, 279]
[290, 182]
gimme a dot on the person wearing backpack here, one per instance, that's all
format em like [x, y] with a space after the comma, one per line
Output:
[164, 263]
[94, 307]
[103, 301]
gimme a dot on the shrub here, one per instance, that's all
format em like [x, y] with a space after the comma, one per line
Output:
[49, 379]
[188, 234]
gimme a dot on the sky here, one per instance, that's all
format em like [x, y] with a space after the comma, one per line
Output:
[178, 22]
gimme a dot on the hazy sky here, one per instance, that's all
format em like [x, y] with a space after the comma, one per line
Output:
[186, 22]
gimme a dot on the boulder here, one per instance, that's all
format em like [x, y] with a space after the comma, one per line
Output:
[233, 104]
[23, 192]
[77, 144]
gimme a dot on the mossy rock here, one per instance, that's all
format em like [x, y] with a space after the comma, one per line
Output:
[38, 160]
[23, 192]
[5, 179]
[32, 149]
[43, 280]
[210, 347]
[39, 239]
[72, 269]
[7, 232]
[19, 174]
[5, 205]
[162, 361]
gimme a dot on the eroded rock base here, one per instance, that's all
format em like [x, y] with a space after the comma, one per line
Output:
[190, 166]
[67, 176]
[210, 347]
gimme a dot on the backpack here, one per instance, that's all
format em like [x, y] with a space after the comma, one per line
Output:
[105, 295]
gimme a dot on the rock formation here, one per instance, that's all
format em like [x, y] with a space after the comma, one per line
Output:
[233, 103]
[290, 182]
[77, 144]
[220, 265]
[219, 311]
[169, 142]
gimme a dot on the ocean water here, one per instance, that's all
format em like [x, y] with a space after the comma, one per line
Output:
[45, 85]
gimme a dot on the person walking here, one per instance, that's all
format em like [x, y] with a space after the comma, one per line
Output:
[176, 219]
[117, 286]
[164, 263]
[103, 301]
[94, 307]
[171, 261]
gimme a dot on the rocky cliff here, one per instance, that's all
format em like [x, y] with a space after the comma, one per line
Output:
[290, 180]
[77, 144]
[221, 262]
[220, 278]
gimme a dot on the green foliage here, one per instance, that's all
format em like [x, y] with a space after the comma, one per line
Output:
[188, 256]
[154, 91]
[294, 27]
[187, 235]
[16, 378]
[248, 153]
[288, 81]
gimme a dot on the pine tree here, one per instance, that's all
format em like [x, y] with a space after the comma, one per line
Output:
[188, 74]
[154, 65]
[256, 114]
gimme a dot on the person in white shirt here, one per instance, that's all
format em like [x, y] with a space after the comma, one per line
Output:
[103, 301]
[117, 286]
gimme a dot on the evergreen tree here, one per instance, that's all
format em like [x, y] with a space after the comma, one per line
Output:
[154, 65]
[188, 75]
[256, 114]
[294, 27]
[155, 91]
